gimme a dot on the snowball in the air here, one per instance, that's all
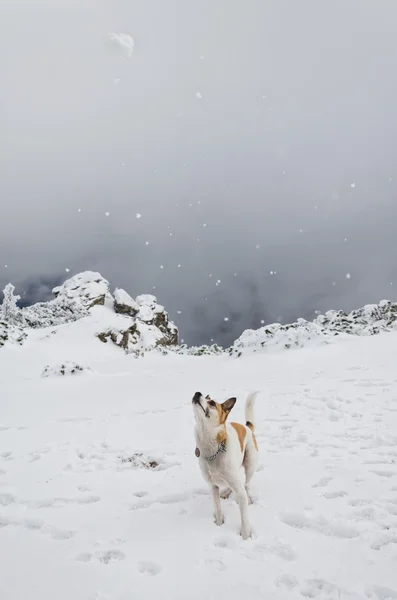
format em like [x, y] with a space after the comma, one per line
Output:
[122, 43]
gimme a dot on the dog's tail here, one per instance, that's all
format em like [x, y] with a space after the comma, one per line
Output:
[249, 410]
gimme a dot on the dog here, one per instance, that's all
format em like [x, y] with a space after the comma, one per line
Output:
[222, 448]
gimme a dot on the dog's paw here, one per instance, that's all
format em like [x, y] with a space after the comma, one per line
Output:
[245, 533]
[219, 520]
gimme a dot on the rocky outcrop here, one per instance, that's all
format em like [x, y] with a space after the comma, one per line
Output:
[369, 320]
[152, 313]
[124, 304]
[87, 289]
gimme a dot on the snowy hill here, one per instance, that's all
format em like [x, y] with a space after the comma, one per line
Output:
[101, 496]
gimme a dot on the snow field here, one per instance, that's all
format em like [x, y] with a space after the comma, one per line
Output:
[101, 496]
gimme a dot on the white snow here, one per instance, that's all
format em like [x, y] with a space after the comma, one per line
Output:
[122, 43]
[199, 95]
[101, 497]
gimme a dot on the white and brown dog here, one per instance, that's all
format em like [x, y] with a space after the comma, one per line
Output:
[222, 449]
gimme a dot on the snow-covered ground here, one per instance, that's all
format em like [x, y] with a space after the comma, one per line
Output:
[81, 518]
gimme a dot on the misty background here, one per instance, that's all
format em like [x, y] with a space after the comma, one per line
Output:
[256, 139]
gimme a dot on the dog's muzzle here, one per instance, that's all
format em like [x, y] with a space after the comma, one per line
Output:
[196, 398]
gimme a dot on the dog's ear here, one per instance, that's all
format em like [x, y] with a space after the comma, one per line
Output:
[228, 405]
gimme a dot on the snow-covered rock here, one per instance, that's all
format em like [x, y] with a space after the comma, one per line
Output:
[66, 368]
[137, 337]
[88, 288]
[369, 320]
[152, 313]
[124, 304]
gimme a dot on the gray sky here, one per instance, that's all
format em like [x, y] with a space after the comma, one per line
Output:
[290, 150]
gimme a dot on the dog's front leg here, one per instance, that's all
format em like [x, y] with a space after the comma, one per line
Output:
[219, 520]
[242, 500]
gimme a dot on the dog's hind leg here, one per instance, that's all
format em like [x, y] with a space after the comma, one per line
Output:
[249, 463]
[219, 520]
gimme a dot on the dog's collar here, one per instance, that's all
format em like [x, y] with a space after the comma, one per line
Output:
[221, 449]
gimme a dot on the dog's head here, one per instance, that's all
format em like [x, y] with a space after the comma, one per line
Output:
[211, 413]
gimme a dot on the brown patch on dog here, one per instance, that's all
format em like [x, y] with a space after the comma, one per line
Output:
[250, 425]
[222, 436]
[241, 432]
[255, 442]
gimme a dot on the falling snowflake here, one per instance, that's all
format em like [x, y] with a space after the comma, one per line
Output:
[6, 266]
[201, 57]
[257, 246]
[67, 270]
[300, 230]
[345, 240]
[138, 215]
[146, 243]
[122, 43]
[262, 321]
[348, 276]
[161, 266]
[116, 81]
[235, 274]
[179, 312]
[210, 275]
[179, 266]
[353, 185]
[107, 213]
[334, 283]
[204, 224]
[226, 318]
[198, 95]
[79, 210]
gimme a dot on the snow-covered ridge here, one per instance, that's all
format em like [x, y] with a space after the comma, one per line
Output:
[134, 325]
[369, 320]
[141, 324]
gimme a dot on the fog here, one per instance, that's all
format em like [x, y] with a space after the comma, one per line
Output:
[257, 140]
